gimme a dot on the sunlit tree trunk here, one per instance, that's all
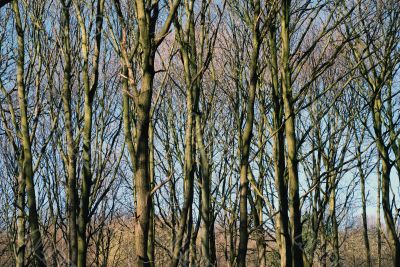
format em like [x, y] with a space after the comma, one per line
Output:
[378, 214]
[247, 136]
[20, 246]
[179, 251]
[282, 219]
[27, 169]
[385, 175]
[146, 13]
[192, 64]
[72, 196]
[152, 226]
[89, 94]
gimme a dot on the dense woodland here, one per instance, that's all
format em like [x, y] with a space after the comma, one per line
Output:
[199, 133]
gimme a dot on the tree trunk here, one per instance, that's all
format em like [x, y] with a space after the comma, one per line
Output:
[27, 168]
[142, 177]
[205, 195]
[333, 218]
[282, 219]
[290, 128]
[20, 248]
[316, 198]
[179, 251]
[72, 198]
[246, 139]
[383, 150]
[378, 214]
[152, 229]
[89, 93]
[364, 211]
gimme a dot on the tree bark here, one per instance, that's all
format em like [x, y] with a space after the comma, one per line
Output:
[72, 196]
[246, 138]
[27, 169]
[386, 166]
[149, 42]
[378, 214]
[152, 229]
[179, 251]
[142, 177]
[282, 219]
[20, 246]
[89, 94]
[364, 210]
[290, 130]
[333, 218]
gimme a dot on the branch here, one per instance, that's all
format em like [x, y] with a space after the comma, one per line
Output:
[165, 29]
[160, 185]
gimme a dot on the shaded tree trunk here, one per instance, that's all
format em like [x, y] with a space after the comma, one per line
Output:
[290, 131]
[333, 218]
[364, 210]
[282, 219]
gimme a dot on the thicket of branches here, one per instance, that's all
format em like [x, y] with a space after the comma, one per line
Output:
[199, 133]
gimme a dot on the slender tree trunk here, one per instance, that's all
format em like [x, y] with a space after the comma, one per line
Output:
[261, 245]
[208, 249]
[193, 138]
[387, 213]
[193, 259]
[72, 198]
[205, 195]
[324, 248]
[257, 208]
[27, 168]
[232, 243]
[147, 16]
[192, 63]
[333, 218]
[213, 249]
[378, 214]
[20, 248]
[316, 199]
[364, 211]
[282, 219]
[178, 254]
[152, 229]
[89, 94]
[146, 27]
[246, 139]
[290, 128]
[394, 243]
[258, 204]
[86, 154]
[172, 203]
[186, 250]
[142, 177]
